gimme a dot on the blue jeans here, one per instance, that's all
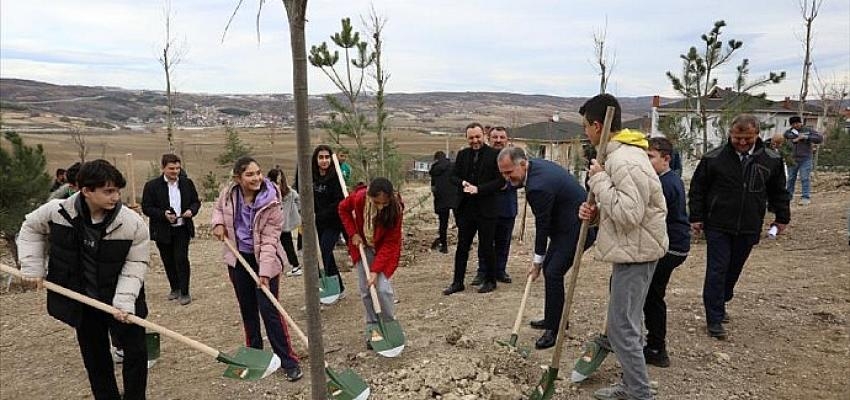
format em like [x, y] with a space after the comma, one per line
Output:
[804, 168]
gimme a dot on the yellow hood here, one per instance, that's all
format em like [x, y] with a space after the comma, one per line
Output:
[634, 138]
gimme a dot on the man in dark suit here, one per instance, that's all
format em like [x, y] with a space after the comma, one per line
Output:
[171, 202]
[554, 196]
[477, 176]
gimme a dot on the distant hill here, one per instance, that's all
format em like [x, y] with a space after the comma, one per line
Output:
[110, 106]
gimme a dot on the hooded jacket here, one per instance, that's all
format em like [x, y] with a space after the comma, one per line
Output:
[107, 262]
[632, 208]
[267, 224]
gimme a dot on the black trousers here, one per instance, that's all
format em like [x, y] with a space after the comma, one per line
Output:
[328, 236]
[93, 338]
[502, 240]
[469, 223]
[725, 257]
[654, 308]
[443, 217]
[254, 305]
[559, 259]
[289, 248]
[175, 258]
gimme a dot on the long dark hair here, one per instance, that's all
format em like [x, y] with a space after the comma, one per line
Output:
[315, 163]
[277, 176]
[389, 215]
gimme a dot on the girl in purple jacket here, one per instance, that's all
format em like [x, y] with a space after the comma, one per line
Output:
[248, 212]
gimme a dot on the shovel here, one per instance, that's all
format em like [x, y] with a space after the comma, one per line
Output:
[546, 387]
[592, 357]
[329, 290]
[515, 333]
[345, 385]
[247, 364]
[386, 336]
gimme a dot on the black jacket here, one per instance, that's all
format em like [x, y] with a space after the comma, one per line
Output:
[730, 197]
[445, 193]
[484, 174]
[155, 202]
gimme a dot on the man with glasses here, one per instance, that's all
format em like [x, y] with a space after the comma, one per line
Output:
[727, 198]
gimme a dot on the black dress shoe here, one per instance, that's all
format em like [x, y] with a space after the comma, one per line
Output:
[546, 341]
[444, 249]
[487, 287]
[479, 279]
[726, 318]
[435, 243]
[716, 330]
[538, 324]
[505, 278]
[453, 288]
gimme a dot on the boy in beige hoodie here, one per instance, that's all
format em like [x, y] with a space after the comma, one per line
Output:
[630, 210]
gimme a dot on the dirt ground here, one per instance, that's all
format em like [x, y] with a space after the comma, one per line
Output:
[788, 338]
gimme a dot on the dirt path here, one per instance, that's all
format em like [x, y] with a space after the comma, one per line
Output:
[788, 340]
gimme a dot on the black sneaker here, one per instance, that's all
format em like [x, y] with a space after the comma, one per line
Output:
[658, 358]
[293, 374]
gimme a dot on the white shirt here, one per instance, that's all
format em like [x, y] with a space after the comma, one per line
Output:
[174, 199]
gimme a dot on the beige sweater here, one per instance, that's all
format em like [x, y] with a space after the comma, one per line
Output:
[631, 205]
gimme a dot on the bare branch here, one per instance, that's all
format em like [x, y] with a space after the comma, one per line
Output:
[230, 20]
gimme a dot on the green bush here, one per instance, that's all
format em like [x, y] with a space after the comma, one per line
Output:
[24, 181]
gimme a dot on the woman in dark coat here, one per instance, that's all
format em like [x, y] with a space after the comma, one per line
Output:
[445, 196]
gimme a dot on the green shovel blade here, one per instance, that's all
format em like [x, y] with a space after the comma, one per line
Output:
[589, 361]
[152, 344]
[386, 337]
[346, 385]
[329, 290]
[546, 387]
[249, 364]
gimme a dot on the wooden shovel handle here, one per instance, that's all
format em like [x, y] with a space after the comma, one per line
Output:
[601, 153]
[522, 305]
[112, 310]
[372, 291]
[268, 293]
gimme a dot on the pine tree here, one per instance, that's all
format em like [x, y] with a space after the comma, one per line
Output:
[25, 184]
[234, 148]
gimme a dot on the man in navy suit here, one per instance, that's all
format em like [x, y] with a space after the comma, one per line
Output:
[554, 196]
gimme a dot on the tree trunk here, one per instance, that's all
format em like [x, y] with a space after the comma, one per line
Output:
[296, 10]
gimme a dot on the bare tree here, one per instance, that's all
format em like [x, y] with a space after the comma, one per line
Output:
[604, 59]
[80, 142]
[296, 11]
[375, 27]
[172, 54]
[810, 12]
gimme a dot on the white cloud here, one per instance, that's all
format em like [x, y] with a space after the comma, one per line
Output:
[531, 47]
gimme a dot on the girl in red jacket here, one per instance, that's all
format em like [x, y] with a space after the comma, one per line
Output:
[376, 224]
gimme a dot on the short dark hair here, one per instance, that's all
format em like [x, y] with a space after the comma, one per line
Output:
[594, 110]
[60, 171]
[170, 158]
[662, 145]
[745, 121]
[500, 128]
[439, 155]
[473, 125]
[71, 173]
[795, 119]
[99, 173]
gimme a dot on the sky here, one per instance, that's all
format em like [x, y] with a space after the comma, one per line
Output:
[531, 47]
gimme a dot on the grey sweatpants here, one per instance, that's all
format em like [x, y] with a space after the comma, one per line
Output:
[382, 286]
[629, 285]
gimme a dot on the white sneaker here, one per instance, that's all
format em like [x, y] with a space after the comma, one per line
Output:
[805, 202]
[295, 271]
[117, 355]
